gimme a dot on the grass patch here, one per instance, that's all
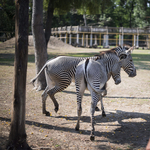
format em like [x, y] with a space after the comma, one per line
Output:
[81, 54]
[141, 58]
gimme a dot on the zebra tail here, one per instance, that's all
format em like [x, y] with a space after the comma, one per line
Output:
[87, 79]
[35, 78]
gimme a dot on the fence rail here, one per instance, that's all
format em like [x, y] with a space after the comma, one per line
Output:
[114, 30]
[89, 36]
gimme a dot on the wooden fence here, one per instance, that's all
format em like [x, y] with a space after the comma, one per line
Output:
[103, 36]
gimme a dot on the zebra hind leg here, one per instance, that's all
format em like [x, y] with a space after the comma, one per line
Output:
[44, 97]
[79, 115]
[79, 107]
[58, 88]
[102, 107]
[92, 136]
[103, 95]
[95, 98]
[97, 109]
[51, 93]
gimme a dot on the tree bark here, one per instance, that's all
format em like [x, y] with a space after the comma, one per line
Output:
[131, 12]
[17, 136]
[39, 41]
[49, 21]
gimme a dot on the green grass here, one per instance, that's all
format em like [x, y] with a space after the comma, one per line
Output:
[81, 54]
[141, 58]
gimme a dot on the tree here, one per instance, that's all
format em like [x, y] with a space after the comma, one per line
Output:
[49, 18]
[140, 14]
[118, 13]
[39, 41]
[17, 136]
[93, 11]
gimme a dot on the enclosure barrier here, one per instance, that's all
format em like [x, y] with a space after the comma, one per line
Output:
[88, 36]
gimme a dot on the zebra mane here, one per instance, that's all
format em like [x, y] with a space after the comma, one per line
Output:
[101, 53]
[112, 50]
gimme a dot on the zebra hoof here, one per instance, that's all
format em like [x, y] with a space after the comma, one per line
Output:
[56, 110]
[77, 128]
[103, 114]
[47, 114]
[97, 109]
[92, 137]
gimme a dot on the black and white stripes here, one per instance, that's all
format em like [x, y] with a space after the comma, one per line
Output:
[94, 75]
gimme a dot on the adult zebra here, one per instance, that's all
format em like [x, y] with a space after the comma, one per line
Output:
[60, 73]
[94, 75]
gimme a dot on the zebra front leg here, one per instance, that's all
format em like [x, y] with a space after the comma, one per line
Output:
[44, 97]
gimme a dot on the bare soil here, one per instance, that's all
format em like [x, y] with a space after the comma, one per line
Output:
[127, 106]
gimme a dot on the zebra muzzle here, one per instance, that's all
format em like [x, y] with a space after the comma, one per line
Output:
[117, 81]
[133, 73]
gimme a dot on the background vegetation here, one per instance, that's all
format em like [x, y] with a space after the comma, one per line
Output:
[113, 13]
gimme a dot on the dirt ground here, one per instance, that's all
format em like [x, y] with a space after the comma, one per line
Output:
[127, 106]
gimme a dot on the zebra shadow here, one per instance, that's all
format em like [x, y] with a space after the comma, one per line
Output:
[119, 127]
[123, 127]
[87, 94]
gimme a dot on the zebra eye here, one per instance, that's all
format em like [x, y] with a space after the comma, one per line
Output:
[131, 60]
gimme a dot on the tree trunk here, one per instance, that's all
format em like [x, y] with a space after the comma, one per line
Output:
[131, 12]
[39, 41]
[49, 21]
[17, 136]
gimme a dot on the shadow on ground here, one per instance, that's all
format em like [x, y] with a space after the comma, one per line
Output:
[128, 129]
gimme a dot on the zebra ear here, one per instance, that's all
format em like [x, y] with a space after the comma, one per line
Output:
[129, 51]
[123, 56]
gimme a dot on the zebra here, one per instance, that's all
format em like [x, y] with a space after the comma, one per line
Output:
[93, 75]
[59, 73]
[127, 65]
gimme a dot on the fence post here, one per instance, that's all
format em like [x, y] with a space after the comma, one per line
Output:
[83, 39]
[137, 39]
[95, 39]
[86, 40]
[70, 35]
[100, 39]
[91, 40]
[134, 40]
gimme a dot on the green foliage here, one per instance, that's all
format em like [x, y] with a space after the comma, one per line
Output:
[7, 15]
[140, 13]
[114, 13]
[68, 19]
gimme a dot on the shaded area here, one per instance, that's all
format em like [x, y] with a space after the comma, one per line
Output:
[138, 132]
[124, 97]
[3, 142]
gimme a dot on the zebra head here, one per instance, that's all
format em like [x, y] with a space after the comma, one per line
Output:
[127, 63]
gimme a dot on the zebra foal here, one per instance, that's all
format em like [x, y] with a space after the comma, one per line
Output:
[93, 75]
